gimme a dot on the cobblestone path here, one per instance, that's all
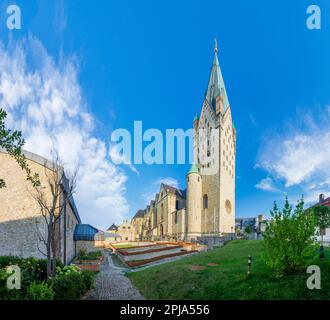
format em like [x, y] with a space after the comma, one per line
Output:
[111, 284]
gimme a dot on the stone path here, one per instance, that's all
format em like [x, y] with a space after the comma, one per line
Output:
[111, 284]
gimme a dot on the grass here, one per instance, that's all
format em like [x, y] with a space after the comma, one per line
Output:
[124, 246]
[229, 280]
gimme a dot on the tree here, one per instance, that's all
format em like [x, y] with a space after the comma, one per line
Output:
[12, 142]
[289, 239]
[237, 231]
[248, 230]
[322, 215]
[53, 197]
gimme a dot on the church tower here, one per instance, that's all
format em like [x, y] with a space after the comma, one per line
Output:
[211, 180]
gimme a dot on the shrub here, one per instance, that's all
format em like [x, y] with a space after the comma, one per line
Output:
[66, 270]
[71, 285]
[289, 239]
[83, 255]
[89, 277]
[248, 230]
[6, 294]
[40, 291]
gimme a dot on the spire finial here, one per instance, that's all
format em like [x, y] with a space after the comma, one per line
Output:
[215, 45]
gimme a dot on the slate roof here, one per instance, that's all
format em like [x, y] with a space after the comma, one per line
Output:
[113, 227]
[139, 214]
[176, 191]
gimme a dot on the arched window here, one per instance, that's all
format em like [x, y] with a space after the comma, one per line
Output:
[162, 211]
[205, 201]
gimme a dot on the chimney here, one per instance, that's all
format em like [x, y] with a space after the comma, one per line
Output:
[321, 198]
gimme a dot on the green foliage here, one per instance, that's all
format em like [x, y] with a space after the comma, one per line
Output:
[83, 255]
[60, 271]
[12, 142]
[89, 277]
[69, 282]
[248, 230]
[40, 291]
[322, 215]
[228, 280]
[289, 239]
[69, 286]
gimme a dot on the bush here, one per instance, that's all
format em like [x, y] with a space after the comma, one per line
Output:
[289, 239]
[66, 270]
[71, 284]
[89, 277]
[83, 255]
[248, 230]
[40, 291]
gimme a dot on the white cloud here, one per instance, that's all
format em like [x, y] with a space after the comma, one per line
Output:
[300, 157]
[168, 181]
[43, 98]
[267, 184]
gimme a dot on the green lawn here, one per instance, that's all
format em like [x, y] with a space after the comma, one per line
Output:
[124, 246]
[174, 280]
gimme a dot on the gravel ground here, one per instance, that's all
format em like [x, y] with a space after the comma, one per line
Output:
[111, 284]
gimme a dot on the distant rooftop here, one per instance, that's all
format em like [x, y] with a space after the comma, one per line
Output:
[113, 227]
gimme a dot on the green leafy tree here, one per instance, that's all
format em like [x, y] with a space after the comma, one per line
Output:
[248, 230]
[289, 239]
[12, 142]
[322, 215]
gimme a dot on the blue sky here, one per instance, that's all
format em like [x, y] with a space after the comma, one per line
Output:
[150, 61]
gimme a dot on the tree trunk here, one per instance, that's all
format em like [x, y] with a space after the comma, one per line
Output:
[53, 246]
[49, 261]
[322, 239]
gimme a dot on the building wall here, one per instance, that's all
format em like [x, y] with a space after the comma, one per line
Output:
[71, 222]
[88, 246]
[21, 222]
[137, 225]
[227, 175]
[20, 219]
[126, 231]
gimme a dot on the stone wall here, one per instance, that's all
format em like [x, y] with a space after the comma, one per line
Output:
[21, 222]
[88, 246]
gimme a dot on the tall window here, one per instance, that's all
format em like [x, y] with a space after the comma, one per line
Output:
[205, 201]
[177, 205]
[162, 211]
[176, 217]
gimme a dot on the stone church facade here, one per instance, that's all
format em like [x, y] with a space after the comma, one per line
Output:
[207, 207]
[21, 222]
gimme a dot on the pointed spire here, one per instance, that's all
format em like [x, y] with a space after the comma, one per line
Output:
[216, 85]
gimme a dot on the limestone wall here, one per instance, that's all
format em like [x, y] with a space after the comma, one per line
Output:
[21, 222]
